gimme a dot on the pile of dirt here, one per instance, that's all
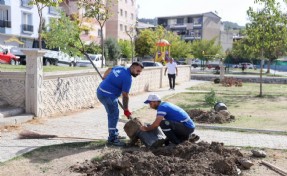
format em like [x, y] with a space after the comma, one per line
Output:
[185, 159]
[212, 116]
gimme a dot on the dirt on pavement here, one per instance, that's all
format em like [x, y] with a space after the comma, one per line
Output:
[185, 159]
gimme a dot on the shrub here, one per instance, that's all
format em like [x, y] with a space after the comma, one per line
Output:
[210, 98]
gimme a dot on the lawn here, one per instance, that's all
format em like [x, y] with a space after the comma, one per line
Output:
[250, 110]
[51, 68]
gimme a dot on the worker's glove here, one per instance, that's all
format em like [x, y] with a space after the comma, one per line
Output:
[127, 113]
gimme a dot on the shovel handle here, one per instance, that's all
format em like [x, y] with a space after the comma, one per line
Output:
[86, 54]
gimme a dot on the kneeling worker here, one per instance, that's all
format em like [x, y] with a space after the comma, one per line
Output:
[173, 120]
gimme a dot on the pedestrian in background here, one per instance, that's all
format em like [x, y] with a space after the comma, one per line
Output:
[117, 81]
[172, 72]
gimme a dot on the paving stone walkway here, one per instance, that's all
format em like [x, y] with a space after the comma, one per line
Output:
[92, 123]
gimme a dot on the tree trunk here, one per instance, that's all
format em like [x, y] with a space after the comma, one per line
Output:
[40, 13]
[102, 45]
[268, 66]
[261, 70]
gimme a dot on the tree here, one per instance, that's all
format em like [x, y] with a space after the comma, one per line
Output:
[99, 10]
[125, 48]
[113, 49]
[145, 43]
[64, 33]
[41, 4]
[267, 32]
[206, 49]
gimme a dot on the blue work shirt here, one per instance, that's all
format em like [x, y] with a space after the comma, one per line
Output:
[118, 80]
[174, 113]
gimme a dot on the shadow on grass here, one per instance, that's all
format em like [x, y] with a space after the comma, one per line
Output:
[190, 102]
[48, 153]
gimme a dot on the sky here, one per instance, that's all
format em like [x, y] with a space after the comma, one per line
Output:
[228, 10]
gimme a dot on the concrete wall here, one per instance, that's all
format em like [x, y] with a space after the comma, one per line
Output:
[68, 91]
[12, 88]
[54, 93]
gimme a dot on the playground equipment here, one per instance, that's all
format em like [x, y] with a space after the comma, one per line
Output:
[162, 51]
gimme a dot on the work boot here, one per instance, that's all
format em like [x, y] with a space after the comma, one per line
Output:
[116, 142]
[193, 138]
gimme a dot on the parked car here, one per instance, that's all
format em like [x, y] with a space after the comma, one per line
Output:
[96, 58]
[151, 64]
[195, 63]
[17, 52]
[7, 57]
[55, 56]
[246, 65]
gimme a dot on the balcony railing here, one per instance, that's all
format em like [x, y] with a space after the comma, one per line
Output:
[27, 28]
[5, 24]
[191, 37]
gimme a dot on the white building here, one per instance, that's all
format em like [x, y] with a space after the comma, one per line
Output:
[20, 20]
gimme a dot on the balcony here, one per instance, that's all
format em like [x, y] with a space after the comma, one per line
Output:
[5, 2]
[191, 37]
[5, 24]
[177, 26]
[26, 28]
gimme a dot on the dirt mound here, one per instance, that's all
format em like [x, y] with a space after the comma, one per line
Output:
[212, 116]
[185, 159]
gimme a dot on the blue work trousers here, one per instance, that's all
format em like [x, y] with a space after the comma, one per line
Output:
[112, 109]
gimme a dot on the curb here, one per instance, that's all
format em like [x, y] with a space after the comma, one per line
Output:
[211, 127]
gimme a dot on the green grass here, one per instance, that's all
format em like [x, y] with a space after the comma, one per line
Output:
[250, 111]
[47, 153]
[51, 68]
[237, 71]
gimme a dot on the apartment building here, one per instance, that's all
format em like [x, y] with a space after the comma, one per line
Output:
[194, 26]
[123, 20]
[93, 32]
[20, 20]
[198, 27]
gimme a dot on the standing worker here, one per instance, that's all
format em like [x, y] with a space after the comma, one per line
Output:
[171, 66]
[117, 81]
[173, 120]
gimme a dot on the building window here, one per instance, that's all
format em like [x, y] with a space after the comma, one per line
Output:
[25, 3]
[99, 32]
[197, 21]
[132, 2]
[126, 29]
[121, 27]
[126, 1]
[126, 14]
[4, 21]
[189, 20]
[180, 21]
[132, 16]
[121, 12]
[54, 10]
[27, 24]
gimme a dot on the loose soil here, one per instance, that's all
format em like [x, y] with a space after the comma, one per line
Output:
[84, 158]
[185, 159]
[212, 116]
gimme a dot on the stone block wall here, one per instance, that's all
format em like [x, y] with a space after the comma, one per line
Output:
[67, 92]
[12, 88]
[55, 93]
